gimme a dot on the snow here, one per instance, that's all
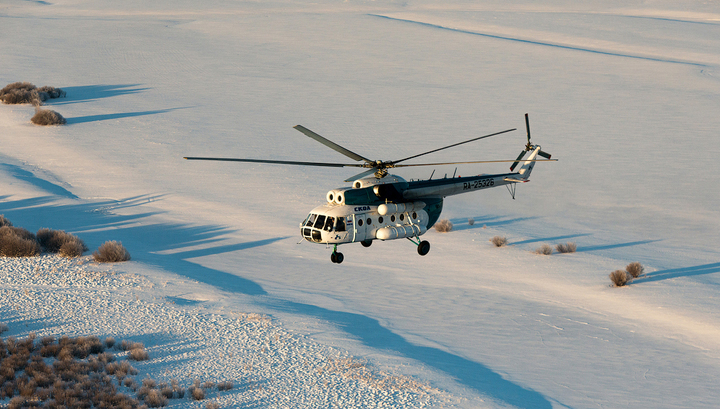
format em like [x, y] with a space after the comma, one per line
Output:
[624, 94]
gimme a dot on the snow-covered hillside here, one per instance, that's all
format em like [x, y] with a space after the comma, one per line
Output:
[624, 94]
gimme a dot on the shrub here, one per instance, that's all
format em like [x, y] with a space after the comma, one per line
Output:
[196, 393]
[619, 278]
[109, 342]
[25, 92]
[59, 241]
[111, 252]
[47, 117]
[498, 241]
[635, 269]
[225, 386]
[566, 248]
[138, 354]
[4, 222]
[155, 399]
[212, 405]
[17, 242]
[52, 92]
[471, 221]
[443, 226]
[545, 249]
[3, 327]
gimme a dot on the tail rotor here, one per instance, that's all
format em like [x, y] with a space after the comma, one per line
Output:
[529, 147]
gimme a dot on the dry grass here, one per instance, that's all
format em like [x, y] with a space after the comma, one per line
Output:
[196, 393]
[4, 222]
[499, 241]
[443, 226]
[225, 386]
[619, 278]
[111, 252]
[566, 248]
[545, 250]
[47, 117]
[212, 405]
[635, 269]
[17, 242]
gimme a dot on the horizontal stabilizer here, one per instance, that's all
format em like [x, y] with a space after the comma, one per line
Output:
[514, 180]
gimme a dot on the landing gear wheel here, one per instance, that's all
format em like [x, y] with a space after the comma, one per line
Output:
[336, 257]
[423, 248]
[366, 243]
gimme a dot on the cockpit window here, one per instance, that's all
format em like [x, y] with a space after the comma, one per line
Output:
[310, 219]
[319, 222]
[329, 223]
[340, 224]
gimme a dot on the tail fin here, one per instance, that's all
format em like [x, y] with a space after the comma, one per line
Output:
[529, 164]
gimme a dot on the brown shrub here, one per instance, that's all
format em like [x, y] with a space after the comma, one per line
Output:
[566, 248]
[545, 249]
[155, 399]
[619, 278]
[17, 242]
[196, 393]
[25, 92]
[4, 221]
[225, 386]
[443, 226]
[635, 269]
[47, 117]
[499, 241]
[111, 252]
[53, 241]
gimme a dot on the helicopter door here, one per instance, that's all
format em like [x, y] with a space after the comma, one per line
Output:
[360, 227]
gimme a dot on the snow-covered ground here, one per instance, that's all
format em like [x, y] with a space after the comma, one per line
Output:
[624, 94]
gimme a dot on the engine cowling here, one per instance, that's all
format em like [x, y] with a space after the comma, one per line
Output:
[387, 208]
[399, 232]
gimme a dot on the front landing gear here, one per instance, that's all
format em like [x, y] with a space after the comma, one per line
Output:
[336, 257]
[423, 246]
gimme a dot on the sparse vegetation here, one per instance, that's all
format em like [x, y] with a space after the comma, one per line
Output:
[635, 269]
[443, 226]
[27, 93]
[499, 241]
[3, 328]
[61, 242]
[111, 252]
[47, 117]
[568, 247]
[4, 222]
[545, 250]
[225, 386]
[17, 242]
[619, 278]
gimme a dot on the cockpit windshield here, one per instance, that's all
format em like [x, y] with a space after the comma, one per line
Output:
[320, 221]
[310, 220]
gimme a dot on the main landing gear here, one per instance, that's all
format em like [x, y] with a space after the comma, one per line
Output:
[423, 246]
[336, 257]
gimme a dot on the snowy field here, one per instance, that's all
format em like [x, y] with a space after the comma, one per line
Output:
[625, 94]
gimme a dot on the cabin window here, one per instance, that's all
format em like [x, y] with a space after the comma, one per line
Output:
[340, 226]
[380, 219]
[369, 221]
[414, 215]
[360, 222]
[392, 218]
[329, 223]
[319, 222]
[402, 217]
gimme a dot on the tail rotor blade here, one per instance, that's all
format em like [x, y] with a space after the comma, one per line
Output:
[544, 154]
[517, 161]
[527, 126]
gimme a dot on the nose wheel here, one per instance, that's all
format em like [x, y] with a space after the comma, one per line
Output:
[336, 257]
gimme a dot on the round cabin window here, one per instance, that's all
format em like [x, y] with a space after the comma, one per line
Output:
[414, 215]
[402, 217]
[380, 219]
[360, 222]
[392, 218]
[369, 221]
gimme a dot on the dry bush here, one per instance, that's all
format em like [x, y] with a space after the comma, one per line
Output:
[47, 117]
[109, 342]
[499, 241]
[566, 248]
[619, 278]
[3, 327]
[17, 242]
[25, 92]
[196, 393]
[111, 252]
[471, 221]
[154, 398]
[635, 269]
[545, 250]
[61, 242]
[72, 249]
[443, 226]
[225, 386]
[208, 385]
[138, 353]
[212, 405]
[4, 222]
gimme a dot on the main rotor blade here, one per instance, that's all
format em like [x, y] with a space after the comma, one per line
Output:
[331, 144]
[476, 161]
[455, 144]
[280, 162]
[360, 175]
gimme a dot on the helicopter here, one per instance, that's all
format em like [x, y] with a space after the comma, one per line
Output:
[382, 206]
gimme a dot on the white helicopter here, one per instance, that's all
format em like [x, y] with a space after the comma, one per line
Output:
[387, 207]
